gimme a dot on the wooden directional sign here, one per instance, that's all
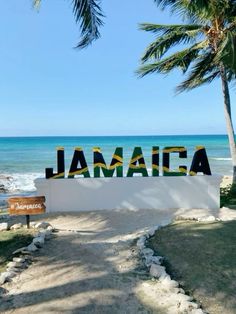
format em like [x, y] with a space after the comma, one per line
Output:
[26, 205]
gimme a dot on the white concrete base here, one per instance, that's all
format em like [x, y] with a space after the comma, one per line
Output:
[85, 194]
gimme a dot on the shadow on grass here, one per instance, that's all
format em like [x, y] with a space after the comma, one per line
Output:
[202, 257]
[11, 241]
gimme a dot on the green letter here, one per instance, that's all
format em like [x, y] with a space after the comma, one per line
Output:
[116, 163]
[137, 157]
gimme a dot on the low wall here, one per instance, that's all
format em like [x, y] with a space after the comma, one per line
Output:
[85, 194]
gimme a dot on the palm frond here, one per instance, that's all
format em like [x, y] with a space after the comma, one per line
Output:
[204, 66]
[215, 20]
[230, 75]
[36, 3]
[190, 6]
[164, 2]
[226, 52]
[163, 43]
[188, 85]
[181, 60]
[196, 10]
[166, 29]
[88, 14]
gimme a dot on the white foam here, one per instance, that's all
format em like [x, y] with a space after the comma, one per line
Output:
[221, 158]
[19, 182]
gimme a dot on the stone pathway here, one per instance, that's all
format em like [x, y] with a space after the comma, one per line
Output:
[92, 265]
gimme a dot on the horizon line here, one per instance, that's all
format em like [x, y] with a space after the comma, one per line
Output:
[133, 135]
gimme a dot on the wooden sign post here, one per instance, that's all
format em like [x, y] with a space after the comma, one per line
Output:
[26, 206]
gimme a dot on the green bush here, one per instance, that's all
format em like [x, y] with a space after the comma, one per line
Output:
[228, 195]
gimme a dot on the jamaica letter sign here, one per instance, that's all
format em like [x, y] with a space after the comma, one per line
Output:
[137, 164]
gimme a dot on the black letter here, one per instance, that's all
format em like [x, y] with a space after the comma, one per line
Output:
[200, 162]
[60, 166]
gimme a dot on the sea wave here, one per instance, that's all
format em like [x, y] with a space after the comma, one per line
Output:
[221, 158]
[18, 182]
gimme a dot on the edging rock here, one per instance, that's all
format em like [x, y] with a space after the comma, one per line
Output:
[31, 247]
[4, 226]
[6, 276]
[16, 226]
[185, 303]
[39, 241]
[18, 259]
[18, 264]
[42, 225]
[207, 219]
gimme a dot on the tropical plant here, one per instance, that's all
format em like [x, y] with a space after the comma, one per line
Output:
[88, 14]
[208, 43]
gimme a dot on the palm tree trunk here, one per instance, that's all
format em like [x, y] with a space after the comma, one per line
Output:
[229, 124]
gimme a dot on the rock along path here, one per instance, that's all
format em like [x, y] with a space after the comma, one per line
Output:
[92, 266]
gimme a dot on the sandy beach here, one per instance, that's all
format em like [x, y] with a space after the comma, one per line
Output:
[226, 181]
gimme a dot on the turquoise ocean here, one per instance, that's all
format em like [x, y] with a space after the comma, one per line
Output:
[23, 159]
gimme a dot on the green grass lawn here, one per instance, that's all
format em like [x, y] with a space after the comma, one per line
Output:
[11, 241]
[202, 257]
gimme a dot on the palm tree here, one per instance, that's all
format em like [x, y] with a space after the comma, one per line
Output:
[89, 15]
[209, 46]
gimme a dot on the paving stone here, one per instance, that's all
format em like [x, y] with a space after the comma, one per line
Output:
[4, 226]
[16, 226]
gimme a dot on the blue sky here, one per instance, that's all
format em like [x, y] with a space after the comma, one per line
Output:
[49, 88]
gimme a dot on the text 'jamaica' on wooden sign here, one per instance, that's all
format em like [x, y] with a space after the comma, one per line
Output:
[26, 205]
